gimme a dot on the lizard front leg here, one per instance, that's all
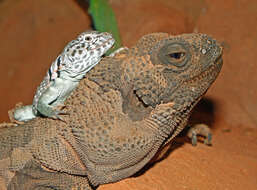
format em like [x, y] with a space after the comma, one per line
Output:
[54, 96]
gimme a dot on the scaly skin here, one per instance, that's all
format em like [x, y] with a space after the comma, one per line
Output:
[77, 58]
[124, 111]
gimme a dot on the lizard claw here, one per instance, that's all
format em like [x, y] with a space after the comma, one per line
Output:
[54, 112]
[57, 116]
[58, 112]
[202, 130]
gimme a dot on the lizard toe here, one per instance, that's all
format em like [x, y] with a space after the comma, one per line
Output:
[202, 130]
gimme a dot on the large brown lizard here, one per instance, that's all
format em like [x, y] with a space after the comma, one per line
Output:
[127, 108]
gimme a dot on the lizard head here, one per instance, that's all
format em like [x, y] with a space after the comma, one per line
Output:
[81, 54]
[162, 68]
[180, 70]
[95, 43]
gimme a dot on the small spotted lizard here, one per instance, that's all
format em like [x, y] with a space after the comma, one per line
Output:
[77, 58]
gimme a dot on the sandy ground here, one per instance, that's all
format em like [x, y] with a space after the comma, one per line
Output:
[32, 33]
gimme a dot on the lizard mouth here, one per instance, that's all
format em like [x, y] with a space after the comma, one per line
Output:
[210, 72]
[109, 42]
[214, 69]
[204, 79]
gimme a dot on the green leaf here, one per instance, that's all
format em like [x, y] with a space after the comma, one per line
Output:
[104, 20]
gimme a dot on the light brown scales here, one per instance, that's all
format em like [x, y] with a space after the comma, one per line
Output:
[120, 115]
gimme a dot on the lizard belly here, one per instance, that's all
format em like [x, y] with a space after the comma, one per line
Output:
[64, 89]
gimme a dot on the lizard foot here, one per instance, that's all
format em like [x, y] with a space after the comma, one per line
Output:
[56, 112]
[201, 130]
[117, 51]
[20, 114]
[51, 111]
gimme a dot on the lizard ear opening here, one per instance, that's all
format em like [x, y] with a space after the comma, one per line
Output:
[140, 99]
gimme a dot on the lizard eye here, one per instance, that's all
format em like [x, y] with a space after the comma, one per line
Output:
[177, 55]
[174, 54]
[88, 38]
